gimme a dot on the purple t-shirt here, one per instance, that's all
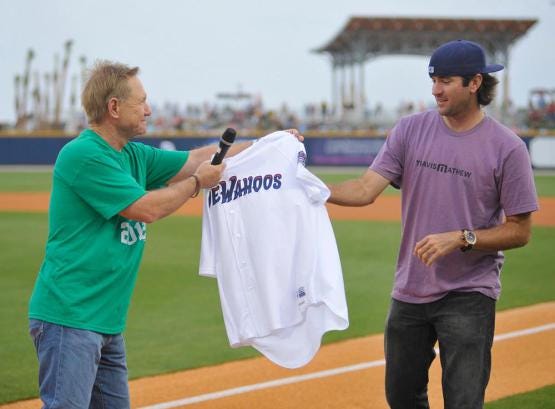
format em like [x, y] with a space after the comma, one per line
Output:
[453, 181]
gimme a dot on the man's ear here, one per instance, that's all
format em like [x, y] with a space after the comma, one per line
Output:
[113, 107]
[475, 83]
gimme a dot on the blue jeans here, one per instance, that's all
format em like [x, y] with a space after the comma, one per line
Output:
[80, 368]
[463, 323]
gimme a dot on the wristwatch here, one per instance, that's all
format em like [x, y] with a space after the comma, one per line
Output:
[469, 240]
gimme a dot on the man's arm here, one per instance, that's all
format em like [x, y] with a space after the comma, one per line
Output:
[160, 203]
[199, 155]
[358, 192]
[514, 232]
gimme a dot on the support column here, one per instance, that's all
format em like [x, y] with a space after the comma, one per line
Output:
[353, 100]
[362, 95]
[334, 90]
[342, 90]
[506, 98]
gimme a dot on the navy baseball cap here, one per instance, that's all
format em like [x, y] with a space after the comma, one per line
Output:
[460, 57]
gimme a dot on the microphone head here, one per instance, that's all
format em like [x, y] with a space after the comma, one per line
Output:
[229, 135]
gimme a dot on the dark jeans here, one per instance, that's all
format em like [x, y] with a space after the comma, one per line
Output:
[463, 323]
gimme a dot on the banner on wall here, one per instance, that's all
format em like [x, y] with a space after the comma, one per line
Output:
[340, 151]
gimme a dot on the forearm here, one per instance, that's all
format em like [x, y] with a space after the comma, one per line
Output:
[160, 203]
[350, 193]
[196, 157]
[513, 233]
[239, 147]
[199, 155]
[358, 192]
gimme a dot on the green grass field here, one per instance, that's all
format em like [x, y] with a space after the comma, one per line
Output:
[543, 398]
[40, 181]
[175, 320]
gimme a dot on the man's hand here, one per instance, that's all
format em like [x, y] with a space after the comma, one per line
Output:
[209, 175]
[295, 133]
[434, 246]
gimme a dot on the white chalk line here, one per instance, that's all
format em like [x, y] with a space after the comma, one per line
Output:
[317, 375]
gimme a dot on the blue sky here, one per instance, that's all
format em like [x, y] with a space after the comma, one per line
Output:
[189, 51]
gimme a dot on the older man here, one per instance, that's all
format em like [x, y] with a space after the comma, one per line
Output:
[105, 190]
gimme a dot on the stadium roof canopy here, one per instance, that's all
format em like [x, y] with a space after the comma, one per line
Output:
[368, 37]
[365, 38]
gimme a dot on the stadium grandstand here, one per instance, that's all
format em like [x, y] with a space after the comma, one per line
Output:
[358, 43]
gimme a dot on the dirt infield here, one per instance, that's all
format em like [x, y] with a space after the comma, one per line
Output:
[348, 374]
[385, 208]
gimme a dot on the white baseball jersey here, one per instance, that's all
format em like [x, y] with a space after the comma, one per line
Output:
[267, 237]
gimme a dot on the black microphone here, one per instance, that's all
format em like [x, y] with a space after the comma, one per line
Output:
[225, 142]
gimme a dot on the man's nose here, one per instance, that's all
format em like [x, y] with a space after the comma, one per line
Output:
[436, 89]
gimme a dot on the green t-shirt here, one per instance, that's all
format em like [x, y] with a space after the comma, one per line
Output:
[92, 253]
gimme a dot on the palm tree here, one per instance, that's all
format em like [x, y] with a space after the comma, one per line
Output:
[59, 83]
[22, 91]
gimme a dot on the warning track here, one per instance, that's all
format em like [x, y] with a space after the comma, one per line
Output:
[348, 374]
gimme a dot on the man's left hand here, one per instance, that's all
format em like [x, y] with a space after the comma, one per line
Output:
[434, 246]
[296, 133]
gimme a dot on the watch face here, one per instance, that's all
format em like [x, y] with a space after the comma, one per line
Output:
[470, 237]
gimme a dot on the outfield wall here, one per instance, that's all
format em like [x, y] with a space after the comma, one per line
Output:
[337, 150]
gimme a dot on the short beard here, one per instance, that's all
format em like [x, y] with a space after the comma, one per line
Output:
[456, 110]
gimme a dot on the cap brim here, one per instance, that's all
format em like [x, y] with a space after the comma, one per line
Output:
[492, 68]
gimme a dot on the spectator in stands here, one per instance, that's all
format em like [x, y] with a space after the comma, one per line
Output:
[467, 194]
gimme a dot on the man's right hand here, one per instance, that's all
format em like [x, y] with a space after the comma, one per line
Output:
[209, 175]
